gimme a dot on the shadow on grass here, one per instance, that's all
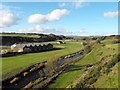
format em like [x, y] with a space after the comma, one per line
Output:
[74, 68]
[12, 54]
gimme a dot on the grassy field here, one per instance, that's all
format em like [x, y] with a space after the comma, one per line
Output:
[76, 70]
[21, 35]
[110, 80]
[68, 76]
[13, 65]
[108, 41]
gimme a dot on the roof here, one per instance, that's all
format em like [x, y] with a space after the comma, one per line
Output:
[30, 44]
[60, 42]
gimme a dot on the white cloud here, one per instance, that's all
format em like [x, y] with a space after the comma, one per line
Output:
[7, 18]
[111, 14]
[2, 6]
[62, 4]
[76, 5]
[36, 29]
[45, 30]
[82, 31]
[53, 16]
[79, 4]
[37, 19]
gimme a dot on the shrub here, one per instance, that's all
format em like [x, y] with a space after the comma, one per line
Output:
[52, 63]
[32, 69]
[29, 85]
[107, 71]
[116, 41]
[84, 43]
[25, 73]
[113, 61]
[87, 49]
[100, 53]
[14, 80]
[97, 42]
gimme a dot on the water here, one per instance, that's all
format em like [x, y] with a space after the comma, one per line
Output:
[60, 62]
[39, 74]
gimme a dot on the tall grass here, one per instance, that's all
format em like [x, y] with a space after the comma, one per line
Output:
[52, 63]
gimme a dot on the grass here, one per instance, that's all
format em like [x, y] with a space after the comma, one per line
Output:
[67, 77]
[0, 71]
[13, 65]
[108, 41]
[110, 80]
[76, 70]
[21, 35]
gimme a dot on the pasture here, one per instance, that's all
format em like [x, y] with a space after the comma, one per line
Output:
[13, 65]
[110, 80]
[75, 70]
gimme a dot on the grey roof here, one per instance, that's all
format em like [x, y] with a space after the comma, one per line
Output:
[20, 45]
[30, 44]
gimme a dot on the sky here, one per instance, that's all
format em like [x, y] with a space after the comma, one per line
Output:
[61, 18]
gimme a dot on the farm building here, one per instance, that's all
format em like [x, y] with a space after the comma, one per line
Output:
[31, 47]
[60, 42]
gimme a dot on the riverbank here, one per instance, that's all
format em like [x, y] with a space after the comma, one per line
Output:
[40, 70]
[16, 64]
[78, 69]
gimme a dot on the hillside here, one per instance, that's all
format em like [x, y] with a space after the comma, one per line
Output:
[11, 38]
[78, 74]
[99, 60]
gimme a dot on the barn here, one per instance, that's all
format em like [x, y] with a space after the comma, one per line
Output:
[60, 42]
[31, 47]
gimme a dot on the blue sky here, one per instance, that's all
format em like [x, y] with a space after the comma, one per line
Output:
[71, 18]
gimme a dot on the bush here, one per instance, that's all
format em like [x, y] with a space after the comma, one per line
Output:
[32, 69]
[84, 43]
[116, 41]
[25, 73]
[52, 63]
[87, 49]
[98, 41]
[14, 80]
[113, 61]
[29, 85]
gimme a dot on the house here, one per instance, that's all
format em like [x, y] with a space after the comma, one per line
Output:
[44, 47]
[31, 47]
[17, 47]
[60, 42]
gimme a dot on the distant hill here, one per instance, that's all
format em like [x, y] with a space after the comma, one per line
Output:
[11, 38]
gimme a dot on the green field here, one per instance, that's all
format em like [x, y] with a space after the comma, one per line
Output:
[76, 69]
[110, 80]
[14, 65]
[21, 35]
